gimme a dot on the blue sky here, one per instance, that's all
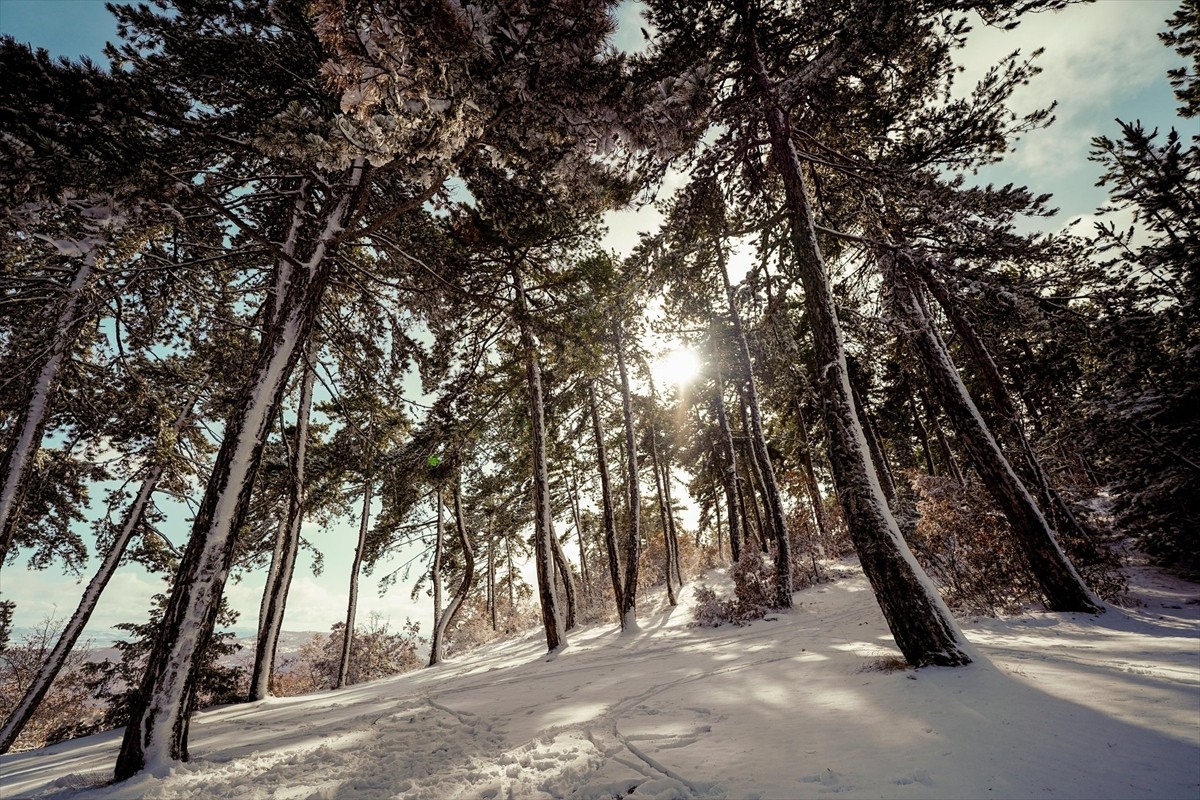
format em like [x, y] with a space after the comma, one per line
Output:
[1102, 61]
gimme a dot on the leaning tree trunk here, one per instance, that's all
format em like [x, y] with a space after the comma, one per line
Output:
[552, 617]
[824, 527]
[606, 502]
[633, 548]
[924, 630]
[287, 546]
[671, 528]
[1061, 585]
[563, 569]
[53, 664]
[761, 457]
[883, 471]
[435, 580]
[1062, 516]
[158, 729]
[343, 675]
[27, 436]
[446, 619]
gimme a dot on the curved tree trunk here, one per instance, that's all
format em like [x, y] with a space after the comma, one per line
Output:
[924, 630]
[606, 502]
[543, 556]
[287, 546]
[562, 569]
[70, 634]
[27, 437]
[446, 619]
[158, 727]
[1061, 585]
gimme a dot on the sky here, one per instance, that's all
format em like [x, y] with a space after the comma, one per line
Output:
[1101, 61]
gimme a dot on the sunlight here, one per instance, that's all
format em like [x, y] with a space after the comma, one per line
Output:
[679, 367]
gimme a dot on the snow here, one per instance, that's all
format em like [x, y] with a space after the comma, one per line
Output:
[807, 703]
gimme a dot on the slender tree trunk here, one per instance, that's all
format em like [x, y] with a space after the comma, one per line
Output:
[552, 618]
[1062, 587]
[720, 537]
[923, 436]
[634, 545]
[824, 527]
[491, 580]
[157, 732]
[512, 584]
[671, 529]
[924, 630]
[446, 619]
[573, 496]
[883, 471]
[355, 569]
[760, 455]
[435, 580]
[947, 455]
[27, 436]
[606, 502]
[662, 512]
[70, 634]
[287, 546]
[733, 489]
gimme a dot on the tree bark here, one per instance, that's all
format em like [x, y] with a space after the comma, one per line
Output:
[562, 569]
[573, 496]
[732, 482]
[446, 619]
[662, 512]
[1061, 585]
[634, 545]
[158, 727]
[883, 471]
[824, 528]
[283, 560]
[552, 618]
[491, 580]
[606, 502]
[435, 580]
[27, 437]
[924, 630]
[355, 569]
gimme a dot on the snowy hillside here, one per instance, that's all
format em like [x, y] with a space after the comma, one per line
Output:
[802, 705]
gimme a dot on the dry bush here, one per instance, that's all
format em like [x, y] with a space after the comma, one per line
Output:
[67, 710]
[753, 594]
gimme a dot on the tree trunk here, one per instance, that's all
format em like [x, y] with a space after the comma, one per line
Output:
[922, 435]
[158, 727]
[606, 502]
[573, 496]
[562, 568]
[732, 483]
[491, 580]
[824, 527]
[662, 512]
[27, 436]
[355, 569]
[70, 634]
[456, 603]
[883, 471]
[1062, 587]
[633, 549]
[283, 561]
[552, 618]
[760, 456]
[435, 580]
[924, 630]
[671, 528]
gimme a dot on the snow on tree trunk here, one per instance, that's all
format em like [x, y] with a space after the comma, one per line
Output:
[633, 547]
[552, 618]
[70, 634]
[813, 488]
[672, 530]
[157, 732]
[435, 582]
[287, 545]
[606, 501]
[562, 569]
[491, 580]
[923, 628]
[27, 437]
[1061, 585]
[883, 471]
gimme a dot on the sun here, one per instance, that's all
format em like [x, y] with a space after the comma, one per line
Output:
[680, 367]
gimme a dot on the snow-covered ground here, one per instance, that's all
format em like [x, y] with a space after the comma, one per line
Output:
[805, 704]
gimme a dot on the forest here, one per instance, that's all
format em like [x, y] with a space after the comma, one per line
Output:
[284, 262]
